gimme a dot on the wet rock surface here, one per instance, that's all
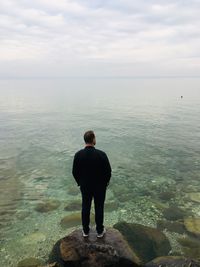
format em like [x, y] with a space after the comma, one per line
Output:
[172, 261]
[147, 242]
[109, 251]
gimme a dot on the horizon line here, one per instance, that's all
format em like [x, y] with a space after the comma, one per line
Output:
[99, 77]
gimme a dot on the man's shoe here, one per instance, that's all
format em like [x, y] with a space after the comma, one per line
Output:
[100, 235]
[85, 234]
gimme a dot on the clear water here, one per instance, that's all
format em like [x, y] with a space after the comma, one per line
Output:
[150, 134]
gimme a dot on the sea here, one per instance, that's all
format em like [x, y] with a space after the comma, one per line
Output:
[149, 129]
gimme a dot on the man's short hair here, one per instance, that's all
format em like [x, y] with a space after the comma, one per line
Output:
[89, 137]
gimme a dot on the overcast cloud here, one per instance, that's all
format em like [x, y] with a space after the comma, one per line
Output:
[99, 38]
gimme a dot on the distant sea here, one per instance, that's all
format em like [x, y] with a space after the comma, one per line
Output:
[149, 128]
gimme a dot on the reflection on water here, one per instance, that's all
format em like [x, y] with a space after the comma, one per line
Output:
[150, 134]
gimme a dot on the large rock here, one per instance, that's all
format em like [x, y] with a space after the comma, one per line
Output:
[110, 251]
[172, 261]
[147, 242]
[192, 225]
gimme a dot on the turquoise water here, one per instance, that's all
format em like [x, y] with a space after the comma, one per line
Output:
[150, 134]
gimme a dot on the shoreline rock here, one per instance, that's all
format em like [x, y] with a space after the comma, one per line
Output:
[146, 241]
[111, 250]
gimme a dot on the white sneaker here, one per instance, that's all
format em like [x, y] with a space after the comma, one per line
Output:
[84, 234]
[101, 234]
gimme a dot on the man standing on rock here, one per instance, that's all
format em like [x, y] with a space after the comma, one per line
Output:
[92, 172]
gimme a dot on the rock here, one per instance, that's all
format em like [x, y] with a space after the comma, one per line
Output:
[173, 213]
[34, 238]
[187, 241]
[111, 250]
[172, 261]
[146, 241]
[166, 195]
[54, 264]
[21, 215]
[160, 205]
[125, 197]
[177, 227]
[48, 205]
[111, 206]
[194, 196]
[73, 190]
[74, 219]
[190, 247]
[192, 253]
[192, 225]
[74, 205]
[30, 262]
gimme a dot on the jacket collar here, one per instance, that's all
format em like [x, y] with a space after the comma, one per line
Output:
[89, 147]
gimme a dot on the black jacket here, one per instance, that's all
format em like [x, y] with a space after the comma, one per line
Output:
[91, 167]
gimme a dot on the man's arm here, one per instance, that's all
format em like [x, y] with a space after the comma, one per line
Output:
[76, 169]
[107, 168]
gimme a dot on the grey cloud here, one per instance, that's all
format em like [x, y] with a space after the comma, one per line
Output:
[95, 34]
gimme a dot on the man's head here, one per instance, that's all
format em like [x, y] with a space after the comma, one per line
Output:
[89, 138]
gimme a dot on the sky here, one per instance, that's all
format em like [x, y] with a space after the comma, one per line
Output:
[118, 38]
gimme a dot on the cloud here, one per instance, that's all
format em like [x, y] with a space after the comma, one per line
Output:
[48, 37]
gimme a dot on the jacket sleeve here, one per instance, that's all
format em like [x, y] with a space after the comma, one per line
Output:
[76, 169]
[107, 169]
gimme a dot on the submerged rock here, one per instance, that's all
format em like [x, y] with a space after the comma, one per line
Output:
[172, 261]
[30, 262]
[177, 227]
[21, 215]
[73, 190]
[111, 250]
[111, 206]
[74, 205]
[190, 246]
[192, 225]
[48, 205]
[33, 238]
[126, 196]
[166, 195]
[147, 242]
[74, 219]
[173, 213]
[194, 196]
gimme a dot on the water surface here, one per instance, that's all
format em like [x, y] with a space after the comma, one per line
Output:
[150, 134]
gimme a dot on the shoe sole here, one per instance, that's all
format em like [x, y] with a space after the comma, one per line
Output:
[84, 235]
[102, 235]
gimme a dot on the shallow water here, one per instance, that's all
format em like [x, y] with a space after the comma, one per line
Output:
[150, 134]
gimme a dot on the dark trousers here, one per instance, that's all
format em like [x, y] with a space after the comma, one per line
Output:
[99, 194]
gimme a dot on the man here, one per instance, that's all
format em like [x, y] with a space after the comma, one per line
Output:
[92, 172]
